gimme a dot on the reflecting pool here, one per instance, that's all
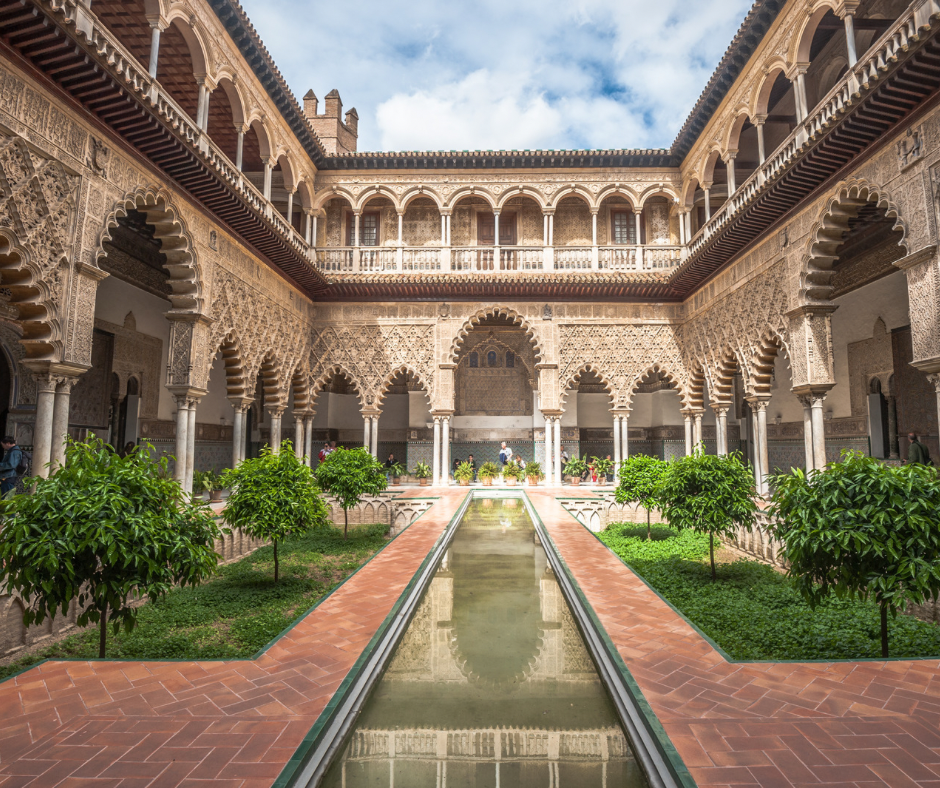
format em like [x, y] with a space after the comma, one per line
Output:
[491, 684]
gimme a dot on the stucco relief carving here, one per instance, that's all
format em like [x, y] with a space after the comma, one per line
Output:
[620, 355]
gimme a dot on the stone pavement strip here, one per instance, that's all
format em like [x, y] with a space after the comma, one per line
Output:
[231, 724]
[851, 724]
[235, 724]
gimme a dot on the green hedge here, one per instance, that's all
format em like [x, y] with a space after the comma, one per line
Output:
[753, 611]
[237, 612]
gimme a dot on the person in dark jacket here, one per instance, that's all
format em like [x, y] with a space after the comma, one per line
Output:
[12, 457]
[917, 452]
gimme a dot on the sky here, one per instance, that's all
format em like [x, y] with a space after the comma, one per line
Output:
[503, 74]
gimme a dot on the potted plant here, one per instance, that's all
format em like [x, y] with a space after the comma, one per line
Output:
[575, 468]
[464, 474]
[396, 470]
[209, 482]
[422, 473]
[488, 472]
[533, 472]
[511, 473]
[602, 467]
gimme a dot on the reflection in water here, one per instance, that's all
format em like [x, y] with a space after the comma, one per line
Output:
[491, 684]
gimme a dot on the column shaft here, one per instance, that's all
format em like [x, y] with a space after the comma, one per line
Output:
[697, 432]
[549, 453]
[556, 441]
[239, 150]
[819, 433]
[182, 439]
[191, 446]
[764, 448]
[689, 440]
[237, 427]
[60, 422]
[708, 204]
[308, 440]
[808, 433]
[375, 437]
[436, 453]
[154, 51]
[367, 433]
[298, 437]
[624, 438]
[761, 156]
[850, 40]
[445, 451]
[616, 442]
[275, 441]
[42, 431]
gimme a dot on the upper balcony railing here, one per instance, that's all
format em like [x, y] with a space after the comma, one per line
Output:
[487, 259]
[137, 80]
[833, 106]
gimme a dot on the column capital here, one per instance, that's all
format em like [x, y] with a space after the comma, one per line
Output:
[729, 155]
[552, 414]
[186, 392]
[758, 403]
[934, 378]
[706, 185]
[721, 408]
[370, 413]
[797, 70]
[759, 120]
[276, 410]
[241, 404]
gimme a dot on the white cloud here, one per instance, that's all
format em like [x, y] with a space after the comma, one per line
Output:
[427, 75]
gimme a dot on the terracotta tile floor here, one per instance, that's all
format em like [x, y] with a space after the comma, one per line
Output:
[759, 724]
[236, 724]
[161, 725]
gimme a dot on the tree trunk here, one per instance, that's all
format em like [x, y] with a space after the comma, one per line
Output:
[711, 555]
[884, 630]
[276, 573]
[103, 632]
[649, 528]
[345, 523]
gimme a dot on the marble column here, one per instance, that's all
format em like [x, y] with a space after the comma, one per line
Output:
[764, 446]
[436, 455]
[721, 428]
[182, 438]
[935, 380]
[625, 437]
[819, 431]
[238, 426]
[697, 431]
[275, 440]
[367, 433]
[894, 450]
[42, 430]
[549, 452]
[758, 472]
[298, 436]
[556, 440]
[191, 444]
[60, 420]
[850, 40]
[154, 49]
[806, 401]
[689, 440]
[308, 440]
[445, 450]
[616, 442]
[375, 436]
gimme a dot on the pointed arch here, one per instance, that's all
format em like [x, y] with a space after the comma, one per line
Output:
[575, 377]
[406, 369]
[176, 243]
[827, 233]
[494, 311]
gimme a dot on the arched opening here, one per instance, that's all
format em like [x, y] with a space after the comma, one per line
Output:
[226, 116]
[522, 234]
[617, 234]
[378, 234]
[404, 435]
[657, 428]
[719, 191]
[572, 233]
[587, 403]
[778, 103]
[473, 235]
[127, 20]
[177, 70]
[338, 420]
[333, 250]
[745, 140]
[423, 235]
[495, 384]
[827, 56]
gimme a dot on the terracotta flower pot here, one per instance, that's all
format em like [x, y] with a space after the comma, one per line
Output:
[395, 480]
[464, 482]
[576, 481]
[215, 496]
[511, 481]
[487, 482]
[533, 480]
[423, 482]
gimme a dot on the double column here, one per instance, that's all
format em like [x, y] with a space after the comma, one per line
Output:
[54, 384]
[186, 402]
[440, 463]
[814, 427]
[240, 428]
[721, 427]
[370, 432]
[761, 449]
[276, 412]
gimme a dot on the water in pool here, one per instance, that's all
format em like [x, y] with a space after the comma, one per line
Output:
[491, 684]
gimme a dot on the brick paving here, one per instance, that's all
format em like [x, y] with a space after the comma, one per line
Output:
[231, 724]
[850, 724]
[235, 724]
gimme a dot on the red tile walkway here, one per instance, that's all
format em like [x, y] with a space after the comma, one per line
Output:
[235, 724]
[861, 724]
[225, 724]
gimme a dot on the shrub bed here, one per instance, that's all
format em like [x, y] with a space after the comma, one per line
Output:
[237, 612]
[753, 611]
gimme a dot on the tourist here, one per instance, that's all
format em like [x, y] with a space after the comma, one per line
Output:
[610, 476]
[128, 448]
[505, 454]
[388, 465]
[520, 462]
[12, 458]
[592, 472]
[473, 465]
[564, 457]
[917, 452]
[324, 452]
